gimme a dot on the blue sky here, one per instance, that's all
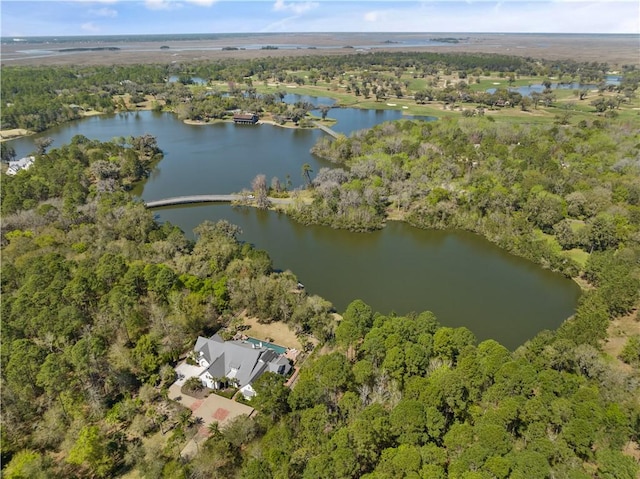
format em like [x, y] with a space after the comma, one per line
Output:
[114, 17]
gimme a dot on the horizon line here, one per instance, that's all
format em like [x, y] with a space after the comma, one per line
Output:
[13, 37]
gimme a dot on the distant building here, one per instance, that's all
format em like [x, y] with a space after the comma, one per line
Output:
[237, 362]
[245, 118]
[21, 164]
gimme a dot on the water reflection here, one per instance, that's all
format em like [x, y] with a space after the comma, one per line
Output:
[527, 90]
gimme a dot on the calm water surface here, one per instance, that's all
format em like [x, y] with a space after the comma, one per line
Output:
[527, 90]
[462, 278]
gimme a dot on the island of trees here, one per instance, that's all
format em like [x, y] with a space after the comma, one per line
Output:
[99, 300]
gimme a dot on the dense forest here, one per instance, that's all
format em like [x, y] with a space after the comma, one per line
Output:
[99, 300]
[567, 198]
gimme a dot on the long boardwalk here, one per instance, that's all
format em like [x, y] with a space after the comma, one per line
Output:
[326, 129]
[184, 200]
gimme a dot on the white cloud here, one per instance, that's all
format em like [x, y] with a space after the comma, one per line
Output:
[372, 16]
[202, 3]
[296, 7]
[535, 16]
[96, 1]
[90, 27]
[161, 4]
[104, 12]
[282, 25]
[598, 1]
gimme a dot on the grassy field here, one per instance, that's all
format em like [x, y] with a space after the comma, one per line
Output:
[279, 333]
[566, 107]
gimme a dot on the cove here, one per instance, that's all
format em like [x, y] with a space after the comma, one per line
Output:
[461, 277]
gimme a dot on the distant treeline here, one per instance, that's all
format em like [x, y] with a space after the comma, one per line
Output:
[447, 39]
[89, 49]
[37, 98]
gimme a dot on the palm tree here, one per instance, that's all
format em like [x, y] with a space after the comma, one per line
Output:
[306, 173]
[184, 418]
[214, 429]
[324, 110]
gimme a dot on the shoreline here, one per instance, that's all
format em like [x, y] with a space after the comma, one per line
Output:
[281, 207]
[14, 134]
[280, 204]
[259, 122]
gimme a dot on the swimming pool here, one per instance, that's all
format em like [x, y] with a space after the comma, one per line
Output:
[275, 347]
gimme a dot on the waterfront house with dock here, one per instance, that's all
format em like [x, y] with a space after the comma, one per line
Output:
[245, 118]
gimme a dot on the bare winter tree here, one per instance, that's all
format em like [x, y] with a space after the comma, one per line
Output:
[42, 144]
[259, 186]
[275, 184]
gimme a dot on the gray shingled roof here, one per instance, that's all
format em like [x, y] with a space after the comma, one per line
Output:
[241, 360]
[208, 347]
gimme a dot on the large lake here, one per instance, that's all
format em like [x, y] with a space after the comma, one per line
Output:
[462, 278]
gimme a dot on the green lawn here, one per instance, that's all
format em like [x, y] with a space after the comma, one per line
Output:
[417, 84]
[567, 106]
[578, 255]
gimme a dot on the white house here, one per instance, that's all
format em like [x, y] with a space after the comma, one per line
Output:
[237, 362]
[21, 164]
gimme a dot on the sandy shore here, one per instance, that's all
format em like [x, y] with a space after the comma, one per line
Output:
[14, 133]
[613, 49]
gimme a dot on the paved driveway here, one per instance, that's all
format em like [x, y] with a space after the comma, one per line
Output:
[185, 371]
[211, 409]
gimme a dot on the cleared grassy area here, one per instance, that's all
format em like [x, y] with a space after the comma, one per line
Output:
[510, 115]
[497, 82]
[278, 332]
[549, 239]
[337, 93]
[417, 84]
[567, 107]
[578, 255]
